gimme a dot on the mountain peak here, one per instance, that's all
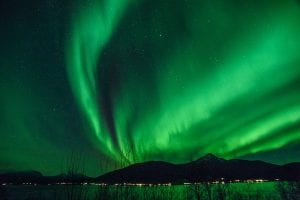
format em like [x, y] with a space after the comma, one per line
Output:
[210, 158]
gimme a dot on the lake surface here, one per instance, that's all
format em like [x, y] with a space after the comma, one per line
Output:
[265, 190]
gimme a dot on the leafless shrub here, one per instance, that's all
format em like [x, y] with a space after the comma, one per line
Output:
[237, 196]
[222, 191]
[75, 169]
[3, 193]
[103, 193]
[288, 190]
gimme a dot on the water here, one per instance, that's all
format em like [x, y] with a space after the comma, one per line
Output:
[265, 190]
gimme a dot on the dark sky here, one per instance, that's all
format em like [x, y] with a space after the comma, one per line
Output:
[119, 81]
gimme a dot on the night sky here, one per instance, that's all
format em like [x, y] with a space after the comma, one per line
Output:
[124, 81]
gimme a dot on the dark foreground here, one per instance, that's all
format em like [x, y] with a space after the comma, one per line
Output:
[264, 190]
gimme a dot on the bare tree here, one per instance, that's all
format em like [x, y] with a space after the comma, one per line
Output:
[222, 191]
[103, 193]
[75, 173]
[288, 190]
[197, 190]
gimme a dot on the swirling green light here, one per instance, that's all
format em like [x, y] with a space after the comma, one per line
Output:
[90, 32]
[204, 93]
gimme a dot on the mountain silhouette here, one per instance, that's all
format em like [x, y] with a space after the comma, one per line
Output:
[207, 168]
[37, 177]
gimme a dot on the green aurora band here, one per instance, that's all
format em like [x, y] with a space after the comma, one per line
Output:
[174, 80]
[123, 81]
[90, 33]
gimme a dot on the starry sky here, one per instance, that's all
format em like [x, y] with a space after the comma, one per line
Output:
[122, 81]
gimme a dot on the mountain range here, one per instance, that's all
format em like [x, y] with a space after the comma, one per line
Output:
[206, 168]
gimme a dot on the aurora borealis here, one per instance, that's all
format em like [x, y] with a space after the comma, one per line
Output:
[139, 80]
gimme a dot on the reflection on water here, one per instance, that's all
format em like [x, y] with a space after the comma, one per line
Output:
[266, 190]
